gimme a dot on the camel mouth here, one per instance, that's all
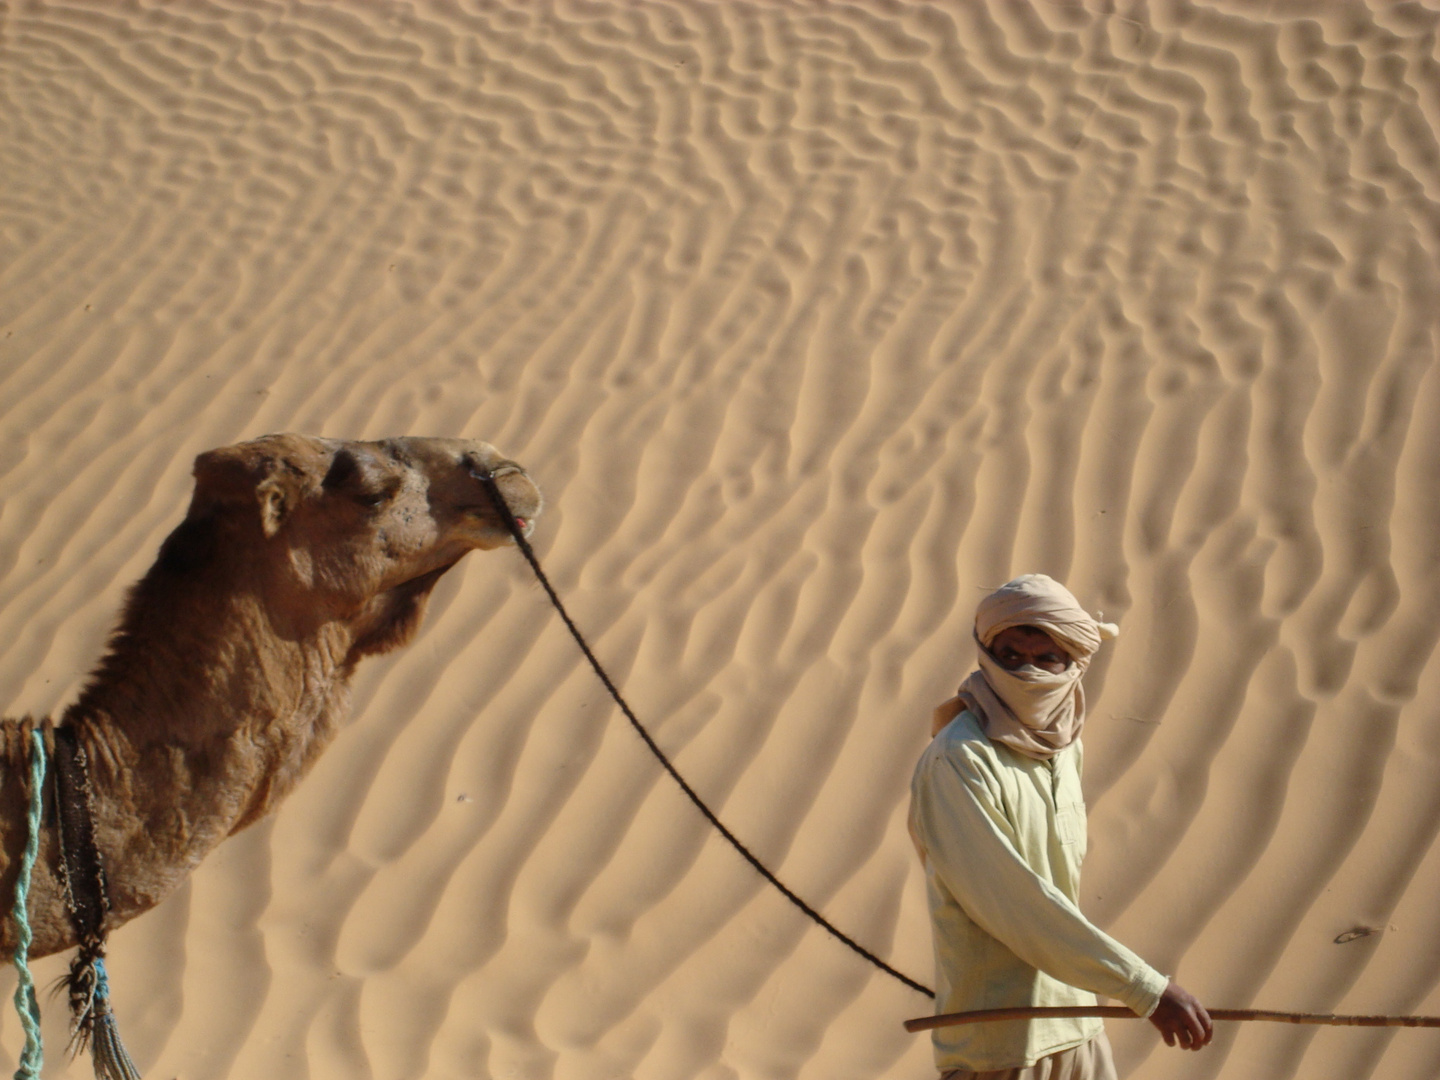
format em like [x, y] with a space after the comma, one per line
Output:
[486, 514]
[503, 514]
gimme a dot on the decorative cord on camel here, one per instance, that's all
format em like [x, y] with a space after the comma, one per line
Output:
[82, 873]
[488, 479]
[33, 1056]
[83, 876]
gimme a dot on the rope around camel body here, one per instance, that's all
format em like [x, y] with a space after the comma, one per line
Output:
[923, 1023]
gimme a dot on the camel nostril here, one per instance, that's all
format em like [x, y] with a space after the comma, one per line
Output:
[504, 468]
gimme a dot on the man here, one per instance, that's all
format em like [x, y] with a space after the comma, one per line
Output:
[999, 819]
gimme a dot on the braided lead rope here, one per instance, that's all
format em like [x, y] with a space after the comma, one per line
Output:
[923, 1023]
[503, 509]
[33, 1056]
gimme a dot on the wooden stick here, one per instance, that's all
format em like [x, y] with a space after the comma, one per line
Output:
[1119, 1012]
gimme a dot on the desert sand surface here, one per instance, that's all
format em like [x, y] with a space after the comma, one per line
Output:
[815, 321]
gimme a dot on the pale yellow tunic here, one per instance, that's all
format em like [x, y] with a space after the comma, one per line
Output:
[1003, 836]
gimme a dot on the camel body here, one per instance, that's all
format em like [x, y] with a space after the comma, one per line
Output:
[228, 672]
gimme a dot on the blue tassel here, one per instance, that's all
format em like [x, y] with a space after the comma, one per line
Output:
[94, 1019]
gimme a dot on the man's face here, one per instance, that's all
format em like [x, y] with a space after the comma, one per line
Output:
[1016, 646]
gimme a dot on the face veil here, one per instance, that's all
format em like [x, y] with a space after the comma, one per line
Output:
[1036, 713]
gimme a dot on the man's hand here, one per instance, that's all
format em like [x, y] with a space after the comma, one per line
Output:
[1180, 1017]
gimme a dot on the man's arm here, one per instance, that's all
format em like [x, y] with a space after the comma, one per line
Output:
[970, 846]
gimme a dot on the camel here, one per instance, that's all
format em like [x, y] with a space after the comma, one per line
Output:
[228, 672]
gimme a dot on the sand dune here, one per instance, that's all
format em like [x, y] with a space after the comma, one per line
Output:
[814, 320]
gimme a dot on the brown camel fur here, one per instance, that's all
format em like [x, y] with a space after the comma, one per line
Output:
[228, 672]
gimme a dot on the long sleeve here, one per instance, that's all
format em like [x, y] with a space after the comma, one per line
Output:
[973, 851]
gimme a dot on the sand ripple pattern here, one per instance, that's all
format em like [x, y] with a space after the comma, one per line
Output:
[815, 320]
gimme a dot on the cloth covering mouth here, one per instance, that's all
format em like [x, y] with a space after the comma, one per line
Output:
[1034, 712]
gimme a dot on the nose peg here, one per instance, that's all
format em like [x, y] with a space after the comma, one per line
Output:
[490, 479]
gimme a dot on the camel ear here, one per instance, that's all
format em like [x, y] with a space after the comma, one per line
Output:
[275, 500]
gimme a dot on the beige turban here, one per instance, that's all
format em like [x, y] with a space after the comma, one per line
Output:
[1034, 712]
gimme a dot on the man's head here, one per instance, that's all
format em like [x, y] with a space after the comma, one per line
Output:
[1046, 618]
[1036, 642]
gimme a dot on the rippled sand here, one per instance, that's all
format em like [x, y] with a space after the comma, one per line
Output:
[815, 320]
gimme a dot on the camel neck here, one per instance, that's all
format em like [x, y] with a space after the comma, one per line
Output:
[195, 728]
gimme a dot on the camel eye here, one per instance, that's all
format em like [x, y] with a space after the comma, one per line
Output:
[362, 478]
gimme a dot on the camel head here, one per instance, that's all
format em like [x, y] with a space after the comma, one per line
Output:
[353, 534]
[228, 672]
